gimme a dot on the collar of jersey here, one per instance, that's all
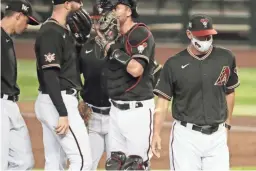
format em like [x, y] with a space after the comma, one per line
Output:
[56, 22]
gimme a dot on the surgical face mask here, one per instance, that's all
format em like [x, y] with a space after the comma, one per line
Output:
[202, 45]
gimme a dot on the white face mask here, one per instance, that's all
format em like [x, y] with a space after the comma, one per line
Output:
[202, 46]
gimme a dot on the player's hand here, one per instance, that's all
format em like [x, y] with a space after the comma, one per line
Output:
[63, 126]
[156, 145]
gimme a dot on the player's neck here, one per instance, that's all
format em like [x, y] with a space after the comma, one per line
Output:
[61, 19]
[126, 26]
[8, 26]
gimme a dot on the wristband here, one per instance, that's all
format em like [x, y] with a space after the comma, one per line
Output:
[121, 56]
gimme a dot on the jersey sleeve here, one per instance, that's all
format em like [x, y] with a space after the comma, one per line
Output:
[142, 43]
[50, 48]
[164, 84]
[233, 81]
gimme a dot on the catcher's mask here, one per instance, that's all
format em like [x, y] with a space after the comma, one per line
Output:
[109, 26]
[80, 24]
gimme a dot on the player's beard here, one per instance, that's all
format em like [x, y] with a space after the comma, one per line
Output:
[202, 46]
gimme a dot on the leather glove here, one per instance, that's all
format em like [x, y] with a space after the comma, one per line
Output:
[80, 25]
[85, 112]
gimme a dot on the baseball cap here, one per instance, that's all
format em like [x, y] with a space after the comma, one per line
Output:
[201, 25]
[57, 2]
[24, 7]
[131, 4]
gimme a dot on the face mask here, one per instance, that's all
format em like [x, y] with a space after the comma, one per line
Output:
[201, 46]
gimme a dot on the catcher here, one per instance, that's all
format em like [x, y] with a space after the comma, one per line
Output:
[129, 82]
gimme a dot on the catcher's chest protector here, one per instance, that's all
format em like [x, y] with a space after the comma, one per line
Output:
[123, 81]
[129, 43]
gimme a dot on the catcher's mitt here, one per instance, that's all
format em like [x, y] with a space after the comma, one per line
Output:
[85, 112]
[107, 29]
[80, 24]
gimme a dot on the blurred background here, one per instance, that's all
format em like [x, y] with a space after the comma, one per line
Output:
[235, 20]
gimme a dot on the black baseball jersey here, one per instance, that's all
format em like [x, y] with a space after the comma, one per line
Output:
[55, 47]
[198, 85]
[8, 66]
[139, 44]
[92, 64]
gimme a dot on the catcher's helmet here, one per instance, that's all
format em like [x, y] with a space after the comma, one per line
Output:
[130, 3]
[101, 7]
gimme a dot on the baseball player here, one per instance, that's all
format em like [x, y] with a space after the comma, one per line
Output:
[64, 132]
[201, 80]
[16, 151]
[129, 68]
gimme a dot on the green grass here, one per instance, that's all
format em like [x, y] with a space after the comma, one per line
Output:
[245, 93]
[27, 80]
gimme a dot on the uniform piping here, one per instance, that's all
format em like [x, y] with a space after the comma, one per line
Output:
[82, 158]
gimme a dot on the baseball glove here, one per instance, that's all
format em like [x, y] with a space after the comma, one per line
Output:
[85, 112]
[80, 25]
[107, 29]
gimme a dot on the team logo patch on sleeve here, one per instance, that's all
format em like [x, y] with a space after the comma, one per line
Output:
[223, 77]
[49, 57]
[142, 47]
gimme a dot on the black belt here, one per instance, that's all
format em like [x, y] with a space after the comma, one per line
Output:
[68, 91]
[14, 98]
[126, 106]
[203, 129]
[101, 111]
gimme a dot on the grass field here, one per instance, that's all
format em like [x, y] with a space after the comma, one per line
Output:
[245, 99]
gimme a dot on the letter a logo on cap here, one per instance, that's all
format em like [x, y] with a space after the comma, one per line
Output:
[24, 7]
[204, 21]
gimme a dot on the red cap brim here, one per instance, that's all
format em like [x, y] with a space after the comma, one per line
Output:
[204, 32]
[33, 21]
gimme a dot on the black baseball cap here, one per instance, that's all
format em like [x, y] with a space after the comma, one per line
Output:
[131, 4]
[57, 2]
[24, 7]
[201, 25]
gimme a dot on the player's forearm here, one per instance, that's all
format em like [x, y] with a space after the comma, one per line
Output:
[53, 88]
[134, 68]
[230, 98]
[160, 114]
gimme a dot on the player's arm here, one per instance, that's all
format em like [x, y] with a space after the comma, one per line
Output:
[50, 51]
[233, 82]
[163, 90]
[143, 45]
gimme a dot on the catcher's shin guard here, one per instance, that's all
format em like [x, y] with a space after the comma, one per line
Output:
[133, 162]
[116, 160]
